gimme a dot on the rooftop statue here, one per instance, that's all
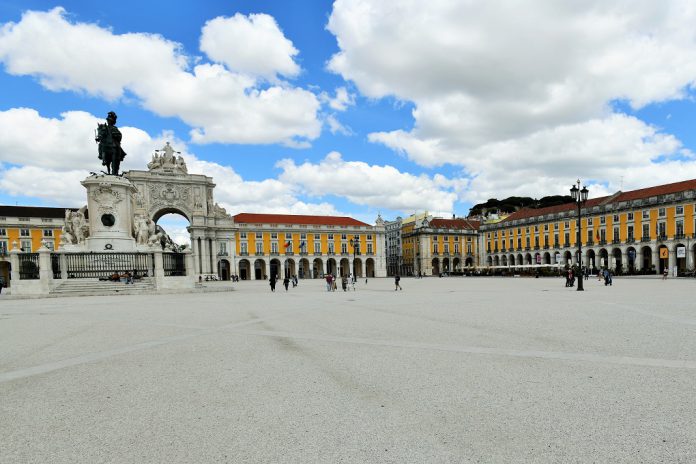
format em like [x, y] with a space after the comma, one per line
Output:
[167, 160]
[109, 139]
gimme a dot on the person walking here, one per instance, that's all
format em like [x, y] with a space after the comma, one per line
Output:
[327, 277]
[344, 282]
[272, 281]
[397, 279]
[334, 285]
[286, 282]
[665, 273]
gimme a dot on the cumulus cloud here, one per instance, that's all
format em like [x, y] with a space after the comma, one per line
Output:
[520, 95]
[251, 44]
[372, 185]
[340, 101]
[47, 158]
[66, 142]
[222, 104]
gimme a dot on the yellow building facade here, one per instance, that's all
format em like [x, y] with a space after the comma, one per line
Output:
[307, 246]
[640, 231]
[26, 228]
[434, 246]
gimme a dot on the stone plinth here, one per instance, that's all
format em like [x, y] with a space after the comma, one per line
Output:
[110, 206]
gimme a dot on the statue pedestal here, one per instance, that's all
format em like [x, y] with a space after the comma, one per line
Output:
[110, 206]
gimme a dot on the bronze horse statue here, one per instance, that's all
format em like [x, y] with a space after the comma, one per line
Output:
[109, 139]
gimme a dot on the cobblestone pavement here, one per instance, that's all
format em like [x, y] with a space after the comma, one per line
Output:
[485, 370]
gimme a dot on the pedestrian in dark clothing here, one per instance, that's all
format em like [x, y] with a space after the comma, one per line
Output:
[344, 283]
[272, 281]
[286, 282]
[397, 279]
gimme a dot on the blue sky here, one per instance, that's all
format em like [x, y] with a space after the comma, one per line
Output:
[355, 107]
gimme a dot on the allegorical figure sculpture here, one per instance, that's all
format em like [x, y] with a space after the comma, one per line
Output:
[76, 228]
[109, 139]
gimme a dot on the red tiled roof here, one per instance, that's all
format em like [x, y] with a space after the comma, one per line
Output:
[617, 197]
[532, 212]
[439, 223]
[658, 190]
[252, 218]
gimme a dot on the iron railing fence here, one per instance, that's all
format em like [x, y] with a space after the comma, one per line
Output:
[55, 265]
[84, 265]
[173, 264]
[28, 266]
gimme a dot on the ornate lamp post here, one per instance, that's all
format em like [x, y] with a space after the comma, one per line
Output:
[355, 243]
[580, 197]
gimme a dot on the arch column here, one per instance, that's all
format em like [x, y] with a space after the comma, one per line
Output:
[638, 260]
[624, 259]
[672, 260]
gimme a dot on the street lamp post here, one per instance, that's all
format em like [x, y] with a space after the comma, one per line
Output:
[355, 243]
[580, 197]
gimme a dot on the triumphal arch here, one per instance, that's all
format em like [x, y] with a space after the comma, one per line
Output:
[167, 187]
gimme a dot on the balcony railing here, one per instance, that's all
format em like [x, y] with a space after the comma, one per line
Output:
[567, 245]
[289, 253]
[602, 242]
[679, 236]
[645, 239]
[275, 253]
[546, 247]
[630, 240]
[662, 237]
[242, 253]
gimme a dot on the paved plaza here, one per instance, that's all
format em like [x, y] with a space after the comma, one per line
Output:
[451, 370]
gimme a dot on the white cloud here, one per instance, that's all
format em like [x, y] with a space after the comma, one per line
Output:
[520, 95]
[221, 105]
[364, 184]
[340, 101]
[48, 157]
[253, 44]
[62, 143]
[54, 188]
[336, 127]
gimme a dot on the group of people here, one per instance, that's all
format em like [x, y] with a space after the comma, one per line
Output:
[570, 278]
[286, 282]
[602, 274]
[347, 280]
[126, 277]
[605, 274]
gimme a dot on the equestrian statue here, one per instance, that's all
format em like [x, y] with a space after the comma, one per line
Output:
[109, 139]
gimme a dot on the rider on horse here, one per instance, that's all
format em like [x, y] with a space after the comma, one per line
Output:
[109, 139]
